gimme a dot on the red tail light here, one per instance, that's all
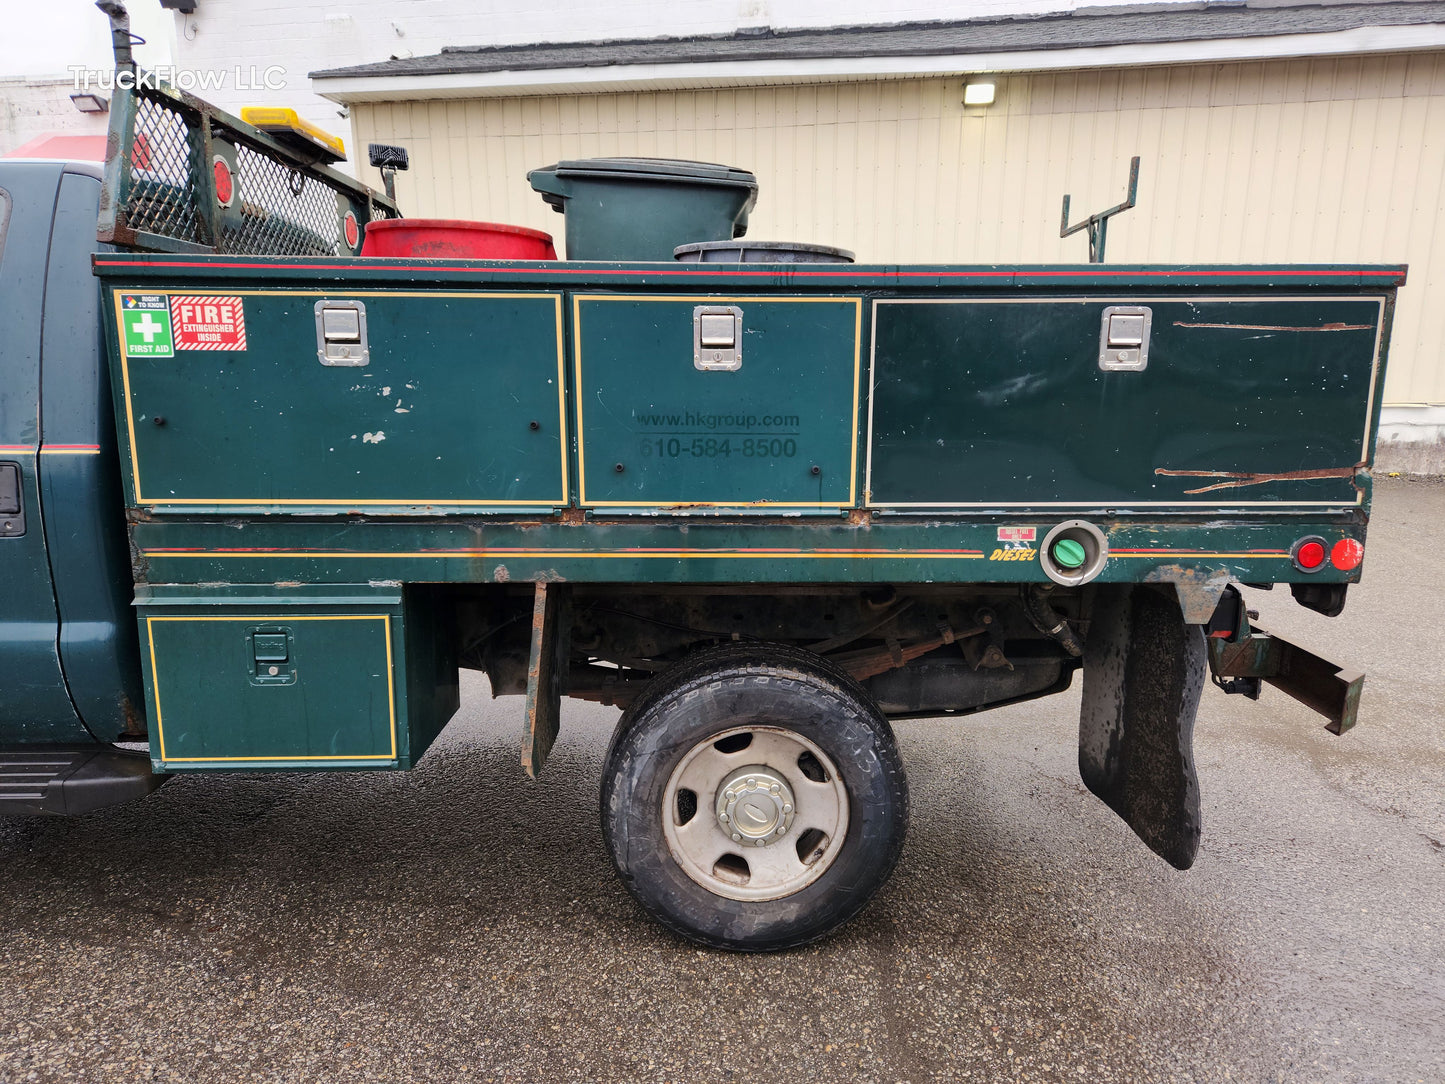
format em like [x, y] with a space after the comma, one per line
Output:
[1309, 554]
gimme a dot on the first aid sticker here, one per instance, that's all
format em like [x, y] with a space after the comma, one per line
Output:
[145, 321]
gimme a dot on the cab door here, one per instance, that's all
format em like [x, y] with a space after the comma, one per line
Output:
[34, 703]
[80, 494]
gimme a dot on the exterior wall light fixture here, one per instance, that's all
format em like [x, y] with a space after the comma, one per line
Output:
[90, 103]
[981, 93]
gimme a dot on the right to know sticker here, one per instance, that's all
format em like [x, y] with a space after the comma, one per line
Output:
[145, 321]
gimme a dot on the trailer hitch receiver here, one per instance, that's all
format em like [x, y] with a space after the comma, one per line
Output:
[1326, 687]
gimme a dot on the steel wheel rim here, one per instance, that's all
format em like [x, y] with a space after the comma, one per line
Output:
[726, 858]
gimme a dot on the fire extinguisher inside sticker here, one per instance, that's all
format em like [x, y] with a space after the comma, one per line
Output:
[208, 323]
[145, 320]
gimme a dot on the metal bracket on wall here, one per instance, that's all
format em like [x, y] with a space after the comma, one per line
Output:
[1098, 225]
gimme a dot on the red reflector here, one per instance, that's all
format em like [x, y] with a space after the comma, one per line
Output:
[1347, 554]
[1310, 555]
[352, 229]
[225, 188]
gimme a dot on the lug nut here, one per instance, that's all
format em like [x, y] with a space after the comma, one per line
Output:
[736, 837]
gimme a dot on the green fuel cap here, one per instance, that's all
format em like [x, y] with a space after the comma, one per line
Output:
[1068, 554]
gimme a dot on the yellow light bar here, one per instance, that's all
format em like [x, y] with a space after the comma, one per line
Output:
[287, 126]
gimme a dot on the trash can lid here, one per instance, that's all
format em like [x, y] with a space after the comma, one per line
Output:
[677, 168]
[741, 251]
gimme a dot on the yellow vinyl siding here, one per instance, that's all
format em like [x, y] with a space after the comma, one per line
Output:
[1325, 160]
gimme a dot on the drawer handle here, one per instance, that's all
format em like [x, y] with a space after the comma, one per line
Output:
[1124, 338]
[341, 333]
[717, 338]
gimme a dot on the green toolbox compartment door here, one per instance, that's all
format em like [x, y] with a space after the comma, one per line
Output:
[1238, 402]
[376, 401]
[268, 682]
[695, 404]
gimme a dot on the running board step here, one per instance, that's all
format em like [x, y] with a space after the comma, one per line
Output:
[68, 780]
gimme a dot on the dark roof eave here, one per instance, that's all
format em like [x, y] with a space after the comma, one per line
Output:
[1048, 32]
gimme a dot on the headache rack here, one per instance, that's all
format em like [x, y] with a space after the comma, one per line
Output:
[184, 176]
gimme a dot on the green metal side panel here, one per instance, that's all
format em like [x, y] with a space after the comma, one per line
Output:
[433, 692]
[673, 549]
[657, 432]
[250, 678]
[460, 407]
[989, 402]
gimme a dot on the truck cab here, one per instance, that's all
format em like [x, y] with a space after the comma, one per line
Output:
[68, 645]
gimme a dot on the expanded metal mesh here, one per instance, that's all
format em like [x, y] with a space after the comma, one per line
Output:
[278, 208]
[162, 195]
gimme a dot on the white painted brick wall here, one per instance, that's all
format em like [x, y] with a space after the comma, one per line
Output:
[35, 107]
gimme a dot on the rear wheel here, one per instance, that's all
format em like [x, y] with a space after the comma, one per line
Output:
[753, 798]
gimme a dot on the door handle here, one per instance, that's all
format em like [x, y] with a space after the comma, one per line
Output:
[12, 508]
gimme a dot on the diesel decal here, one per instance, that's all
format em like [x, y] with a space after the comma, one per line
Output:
[1023, 553]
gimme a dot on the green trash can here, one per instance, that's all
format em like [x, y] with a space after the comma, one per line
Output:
[643, 208]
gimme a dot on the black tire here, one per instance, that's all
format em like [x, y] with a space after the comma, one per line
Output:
[736, 686]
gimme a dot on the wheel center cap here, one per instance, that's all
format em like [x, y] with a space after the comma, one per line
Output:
[755, 805]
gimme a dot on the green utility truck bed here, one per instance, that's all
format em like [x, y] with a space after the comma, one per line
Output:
[764, 509]
[551, 420]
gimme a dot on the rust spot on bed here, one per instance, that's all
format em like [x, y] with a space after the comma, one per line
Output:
[1276, 327]
[1237, 479]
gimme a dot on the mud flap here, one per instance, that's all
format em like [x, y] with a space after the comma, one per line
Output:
[1144, 669]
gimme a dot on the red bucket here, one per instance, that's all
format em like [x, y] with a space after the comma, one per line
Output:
[452, 239]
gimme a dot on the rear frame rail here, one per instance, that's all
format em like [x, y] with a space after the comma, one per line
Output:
[1318, 684]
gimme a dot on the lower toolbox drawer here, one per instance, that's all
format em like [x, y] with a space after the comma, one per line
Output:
[321, 682]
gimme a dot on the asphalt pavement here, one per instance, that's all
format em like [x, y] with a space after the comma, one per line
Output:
[460, 923]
